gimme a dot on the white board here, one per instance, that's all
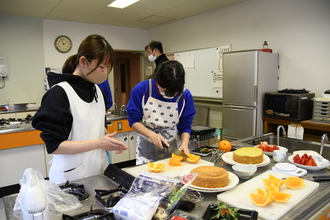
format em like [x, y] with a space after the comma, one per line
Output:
[203, 70]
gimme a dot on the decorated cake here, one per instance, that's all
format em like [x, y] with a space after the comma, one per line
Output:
[248, 155]
[210, 177]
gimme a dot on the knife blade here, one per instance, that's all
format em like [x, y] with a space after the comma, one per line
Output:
[317, 178]
[176, 151]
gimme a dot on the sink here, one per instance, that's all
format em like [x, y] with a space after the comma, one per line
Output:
[290, 143]
[116, 114]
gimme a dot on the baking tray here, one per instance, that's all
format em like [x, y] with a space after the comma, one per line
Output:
[245, 214]
[198, 151]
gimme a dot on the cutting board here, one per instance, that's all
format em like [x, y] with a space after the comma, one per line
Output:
[240, 196]
[170, 171]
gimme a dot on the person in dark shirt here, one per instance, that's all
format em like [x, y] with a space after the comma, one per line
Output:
[72, 114]
[155, 54]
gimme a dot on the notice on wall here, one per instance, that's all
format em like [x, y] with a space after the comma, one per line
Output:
[217, 80]
[187, 60]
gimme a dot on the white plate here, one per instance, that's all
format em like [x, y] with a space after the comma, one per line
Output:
[228, 158]
[233, 181]
[271, 153]
[320, 161]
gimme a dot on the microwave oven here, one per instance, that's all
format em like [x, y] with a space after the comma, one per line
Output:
[291, 106]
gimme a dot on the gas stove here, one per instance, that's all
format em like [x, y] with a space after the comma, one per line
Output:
[75, 189]
[98, 214]
[5, 121]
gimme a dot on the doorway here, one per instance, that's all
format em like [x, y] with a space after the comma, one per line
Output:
[121, 82]
[126, 75]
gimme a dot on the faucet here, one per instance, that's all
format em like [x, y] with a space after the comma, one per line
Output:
[323, 139]
[278, 133]
[113, 107]
[122, 109]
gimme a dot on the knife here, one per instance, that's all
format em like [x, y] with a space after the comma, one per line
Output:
[175, 151]
[317, 178]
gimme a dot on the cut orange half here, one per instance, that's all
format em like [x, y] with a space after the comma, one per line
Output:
[155, 167]
[192, 158]
[260, 200]
[294, 182]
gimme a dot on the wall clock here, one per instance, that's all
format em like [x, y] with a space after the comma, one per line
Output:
[63, 44]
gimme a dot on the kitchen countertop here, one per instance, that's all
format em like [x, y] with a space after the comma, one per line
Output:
[22, 127]
[305, 210]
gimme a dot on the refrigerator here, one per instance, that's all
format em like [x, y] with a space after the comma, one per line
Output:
[247, 75]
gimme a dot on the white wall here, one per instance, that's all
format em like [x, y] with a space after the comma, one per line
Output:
[299, 30]
[28, 43]
[120, 38]
[21, 41]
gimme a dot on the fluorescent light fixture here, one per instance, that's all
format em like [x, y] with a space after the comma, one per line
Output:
[122, 3]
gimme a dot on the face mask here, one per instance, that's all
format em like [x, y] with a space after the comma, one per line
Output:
[96, 76]
[163, 94]
[152, 58]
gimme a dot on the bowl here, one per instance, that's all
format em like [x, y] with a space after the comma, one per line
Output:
[244, 171]
[14, 124]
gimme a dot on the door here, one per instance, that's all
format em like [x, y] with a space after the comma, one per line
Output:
[240, 78]
[121, 82]
[238, 122]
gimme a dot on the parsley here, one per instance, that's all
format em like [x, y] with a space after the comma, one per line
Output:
[224, 212]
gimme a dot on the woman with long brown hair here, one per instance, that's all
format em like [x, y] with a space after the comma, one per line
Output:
[72, 114]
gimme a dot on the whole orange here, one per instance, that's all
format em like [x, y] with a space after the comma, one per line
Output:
[224, 145]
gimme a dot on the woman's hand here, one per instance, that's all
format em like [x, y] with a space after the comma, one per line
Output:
[158, 140]
[184, 148]
[109, 143]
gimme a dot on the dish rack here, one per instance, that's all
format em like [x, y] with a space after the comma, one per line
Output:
[321, 111]
[201, 136]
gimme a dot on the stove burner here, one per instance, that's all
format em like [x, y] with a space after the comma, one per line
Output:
[109, 198]
[5, 121]
[98, 214]
[75, 189]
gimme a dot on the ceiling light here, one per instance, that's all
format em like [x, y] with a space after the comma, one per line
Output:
[122, 3]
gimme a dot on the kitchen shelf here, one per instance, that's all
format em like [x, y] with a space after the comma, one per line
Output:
[313, 131]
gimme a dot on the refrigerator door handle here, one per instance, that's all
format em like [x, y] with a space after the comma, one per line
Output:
[255, 93]
[239, 106]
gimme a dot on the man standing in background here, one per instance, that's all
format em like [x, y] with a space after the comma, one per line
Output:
[155, 54]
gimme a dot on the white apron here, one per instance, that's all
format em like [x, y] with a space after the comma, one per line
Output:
[88, 124]
[162, 118]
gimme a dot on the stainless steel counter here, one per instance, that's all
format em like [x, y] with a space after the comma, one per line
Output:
[22, 127]
[305, 210]
[91, 183]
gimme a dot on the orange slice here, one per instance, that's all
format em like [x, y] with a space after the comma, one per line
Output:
[155, 167]
[294, 182]
[175, 161]
[192, 158]
[260, 200]
[274, 178]
[281, 197]
[268, 183]
[181, 158]
[272, 188]
[261, 192]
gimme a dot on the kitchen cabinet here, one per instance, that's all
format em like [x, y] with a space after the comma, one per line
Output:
[14, 161]
[129, 138]
[313, 131]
